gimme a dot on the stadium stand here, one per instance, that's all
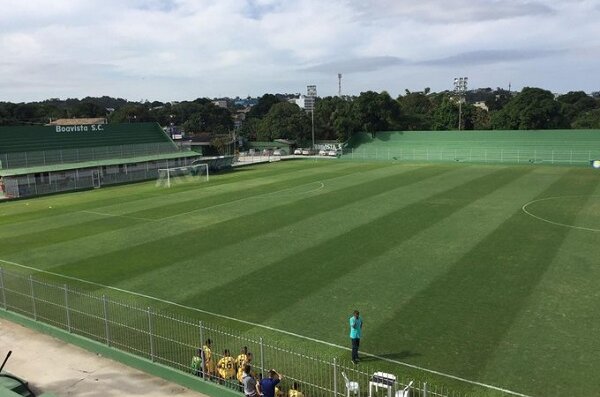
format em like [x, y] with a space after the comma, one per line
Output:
[38, 160]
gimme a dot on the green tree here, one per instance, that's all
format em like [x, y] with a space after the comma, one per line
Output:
[286, 121]
[263, 106]
[88, 109]
[417, 110]
[377, 112]
[589, 119]
[445, 114]
[575, 103]
[532, 108]
[249, 128]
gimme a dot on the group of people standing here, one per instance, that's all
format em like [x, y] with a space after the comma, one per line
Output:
[228, 368]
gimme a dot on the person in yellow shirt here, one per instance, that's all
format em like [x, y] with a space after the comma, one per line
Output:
[295, 391]
[226, 366]
[240, 373]
[209, 364]
[241, 359]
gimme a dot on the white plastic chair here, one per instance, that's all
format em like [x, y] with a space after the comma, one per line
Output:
[351, 387]
[404, 392]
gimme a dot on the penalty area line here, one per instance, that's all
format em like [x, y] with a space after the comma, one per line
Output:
[299, 336]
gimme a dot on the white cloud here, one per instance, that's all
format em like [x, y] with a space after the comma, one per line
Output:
[178, 49]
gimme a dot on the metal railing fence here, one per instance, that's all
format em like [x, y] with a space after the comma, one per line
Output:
[524, 155]
[173, 340]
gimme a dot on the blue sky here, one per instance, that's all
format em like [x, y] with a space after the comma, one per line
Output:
[183, 49]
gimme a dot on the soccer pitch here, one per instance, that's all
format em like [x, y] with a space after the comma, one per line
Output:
[487, 273]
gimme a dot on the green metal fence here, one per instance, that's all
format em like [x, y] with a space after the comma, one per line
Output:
[530, 155]
[173, 340]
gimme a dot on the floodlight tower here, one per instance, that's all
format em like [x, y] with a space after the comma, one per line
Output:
[309, 105]
[460, 88]
[339, 84]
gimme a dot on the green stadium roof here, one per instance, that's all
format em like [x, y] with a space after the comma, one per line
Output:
[97, 163]
[37, 138]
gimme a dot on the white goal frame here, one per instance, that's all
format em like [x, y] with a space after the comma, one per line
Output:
[173, 170]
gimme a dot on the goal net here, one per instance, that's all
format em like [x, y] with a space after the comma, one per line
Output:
[189, 173]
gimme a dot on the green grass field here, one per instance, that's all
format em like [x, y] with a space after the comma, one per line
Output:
[447, 268]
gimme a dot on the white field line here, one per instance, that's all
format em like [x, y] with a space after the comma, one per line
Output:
[118, 216]
[268, 328]
[263, 195]
[524, 208]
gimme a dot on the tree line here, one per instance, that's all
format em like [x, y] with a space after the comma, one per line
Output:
[335, 118]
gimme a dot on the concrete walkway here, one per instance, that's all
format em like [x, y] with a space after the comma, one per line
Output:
[51, 365]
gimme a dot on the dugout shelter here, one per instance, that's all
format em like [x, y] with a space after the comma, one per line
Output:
[36, 160]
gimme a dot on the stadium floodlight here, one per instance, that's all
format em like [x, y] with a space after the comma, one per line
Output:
[309, 104]
[168, 176]
[460, 89]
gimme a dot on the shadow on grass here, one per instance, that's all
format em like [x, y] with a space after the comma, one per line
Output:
[402, 355]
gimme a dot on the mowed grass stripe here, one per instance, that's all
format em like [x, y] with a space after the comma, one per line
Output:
[73, 220]
[479, 297]
[195, 192]
[108, 196]
[317, 267]
[203, 239]
[140, 233]
[167, 209]
[558, 325]
[390, 280]
[217, 267]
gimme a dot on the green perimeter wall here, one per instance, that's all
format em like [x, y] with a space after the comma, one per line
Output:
[576, 147]
[169, 374]
[558, 139]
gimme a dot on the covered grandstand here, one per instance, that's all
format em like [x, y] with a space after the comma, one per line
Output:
[37, 160]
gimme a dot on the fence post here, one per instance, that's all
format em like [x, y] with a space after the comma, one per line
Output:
[150, 334]
[552, 156]
[32, 297]
[425, 389]
[2, 288]
[335, 377]
[106, 330]
[202, 362]
[262, 355]
[501, 155]
[571, 159]
[67, 308]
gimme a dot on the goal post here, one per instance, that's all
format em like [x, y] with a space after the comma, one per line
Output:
[195, 172]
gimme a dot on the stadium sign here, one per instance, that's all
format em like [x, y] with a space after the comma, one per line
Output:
[80, 128]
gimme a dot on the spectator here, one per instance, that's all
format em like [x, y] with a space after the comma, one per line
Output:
[209, 365]
[250, 386]
[226, 366]
[295, 391]
[267, 385]
[241, 359]
[197, 363]
[241, 366]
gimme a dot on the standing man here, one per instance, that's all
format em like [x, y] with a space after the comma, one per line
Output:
[249, 383]
[267, 385]
[356, 324]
